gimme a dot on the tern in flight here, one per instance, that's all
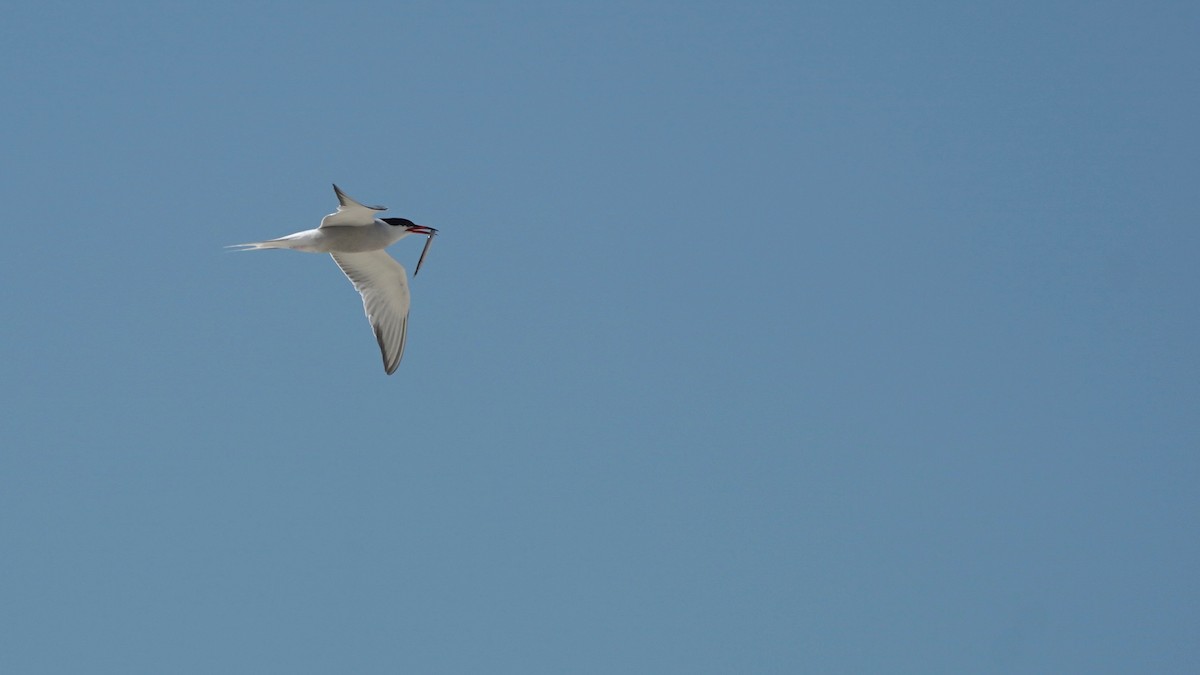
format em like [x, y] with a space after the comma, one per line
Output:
[356, 239]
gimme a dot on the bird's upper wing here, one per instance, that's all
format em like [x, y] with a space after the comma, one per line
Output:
[383, 284]
[350, 212]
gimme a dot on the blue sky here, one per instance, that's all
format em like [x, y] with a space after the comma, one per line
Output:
[775, 338]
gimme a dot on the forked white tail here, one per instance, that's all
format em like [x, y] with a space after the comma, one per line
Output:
[289, 241]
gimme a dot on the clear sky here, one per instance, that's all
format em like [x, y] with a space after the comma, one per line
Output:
[759, 338]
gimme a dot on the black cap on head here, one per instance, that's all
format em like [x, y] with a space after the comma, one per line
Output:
[399, 222]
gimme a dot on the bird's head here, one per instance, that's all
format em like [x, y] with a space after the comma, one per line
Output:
[409, 226]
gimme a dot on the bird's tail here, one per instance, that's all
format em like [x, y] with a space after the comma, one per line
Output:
[282, 242]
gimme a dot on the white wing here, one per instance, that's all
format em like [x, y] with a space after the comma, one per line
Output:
[383, 284]
[350, 212]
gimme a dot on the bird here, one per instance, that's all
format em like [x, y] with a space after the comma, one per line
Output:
[357, 240]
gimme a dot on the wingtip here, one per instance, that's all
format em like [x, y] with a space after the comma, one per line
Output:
[388, 368]
[347, 201]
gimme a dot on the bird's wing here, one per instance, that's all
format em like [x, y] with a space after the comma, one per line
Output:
[350, 212]
[383, 284]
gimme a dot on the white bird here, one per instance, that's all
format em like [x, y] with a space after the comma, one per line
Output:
[356, 239]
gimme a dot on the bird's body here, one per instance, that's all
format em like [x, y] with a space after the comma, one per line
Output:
[356, 239]
[338, 239]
